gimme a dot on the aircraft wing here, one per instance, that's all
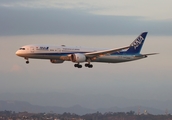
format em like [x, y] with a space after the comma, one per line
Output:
[104, 52]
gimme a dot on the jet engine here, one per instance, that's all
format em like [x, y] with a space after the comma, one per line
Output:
[77, 58]
[55, 61]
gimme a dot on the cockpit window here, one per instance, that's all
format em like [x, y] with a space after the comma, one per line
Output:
[22, 48]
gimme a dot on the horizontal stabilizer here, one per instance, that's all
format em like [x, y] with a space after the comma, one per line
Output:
[141, 55]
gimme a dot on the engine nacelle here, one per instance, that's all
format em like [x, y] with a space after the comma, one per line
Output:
[55, 61]
[78, 57]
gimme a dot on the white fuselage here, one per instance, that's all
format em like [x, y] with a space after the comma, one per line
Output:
[58, 52]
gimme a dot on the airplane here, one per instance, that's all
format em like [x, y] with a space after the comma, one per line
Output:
[77, 55]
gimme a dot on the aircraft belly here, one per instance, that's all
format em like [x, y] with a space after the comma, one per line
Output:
[42, 56]
[115, 59]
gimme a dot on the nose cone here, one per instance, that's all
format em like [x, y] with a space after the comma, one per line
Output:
[18, 53]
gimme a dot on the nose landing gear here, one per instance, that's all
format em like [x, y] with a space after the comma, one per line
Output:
[27, 60]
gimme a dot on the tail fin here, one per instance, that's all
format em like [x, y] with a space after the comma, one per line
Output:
[136, 45]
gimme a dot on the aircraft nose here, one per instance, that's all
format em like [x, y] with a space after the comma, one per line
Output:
[17, 53]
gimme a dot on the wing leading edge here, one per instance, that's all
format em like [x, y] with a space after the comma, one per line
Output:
[104, 52]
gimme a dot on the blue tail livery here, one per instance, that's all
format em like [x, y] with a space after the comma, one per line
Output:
[137, 44]
[135, 47]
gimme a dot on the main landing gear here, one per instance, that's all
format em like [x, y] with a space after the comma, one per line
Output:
[78, 65]
[86, 65]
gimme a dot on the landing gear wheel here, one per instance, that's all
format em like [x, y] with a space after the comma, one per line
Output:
[75, 65]
[90, 66]
[27, 60]
[78, 65]
[86, 65]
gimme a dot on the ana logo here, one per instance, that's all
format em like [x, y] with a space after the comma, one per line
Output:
[43, 48]
[137, 42]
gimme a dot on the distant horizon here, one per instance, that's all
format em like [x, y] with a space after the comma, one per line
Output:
[21, 106]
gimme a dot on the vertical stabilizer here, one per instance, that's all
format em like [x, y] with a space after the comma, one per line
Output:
[136, 45]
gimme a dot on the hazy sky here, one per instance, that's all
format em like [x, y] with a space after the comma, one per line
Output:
[92, 23]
